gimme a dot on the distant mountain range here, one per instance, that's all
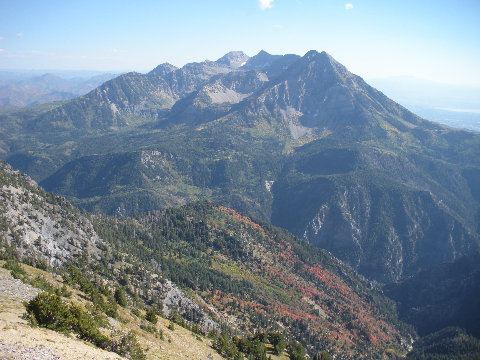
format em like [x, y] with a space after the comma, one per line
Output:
[297, 141]
[20, 89]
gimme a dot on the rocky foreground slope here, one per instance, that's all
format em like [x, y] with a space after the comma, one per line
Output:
[20, 341]
[46, 231]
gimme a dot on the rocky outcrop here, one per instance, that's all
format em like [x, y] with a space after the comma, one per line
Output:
[41, 227]
[39, 224]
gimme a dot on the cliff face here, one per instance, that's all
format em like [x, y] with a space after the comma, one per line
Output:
[403, 233]
[37, 224]
[382, 213]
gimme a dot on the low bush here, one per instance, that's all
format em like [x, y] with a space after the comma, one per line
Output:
[15, 268]
[49, 311]
[127, 346]
[151, 316]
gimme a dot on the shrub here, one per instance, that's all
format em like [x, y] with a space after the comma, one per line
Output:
[77, 277]
[175, 317]
[278, 341]
[127, 345]
[40, 283]
[136, 312]
[49, 311]
[151, 316]
[86, 329]
[42, 264]
[295, 350]
[148, 328]
[120, 297]
[15, 268]
[226, 347]
[323, 356]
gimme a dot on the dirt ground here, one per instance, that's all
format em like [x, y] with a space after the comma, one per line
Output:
[20, 341]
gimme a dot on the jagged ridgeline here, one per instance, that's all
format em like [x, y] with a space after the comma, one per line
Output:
[244, 275]
[299, 142]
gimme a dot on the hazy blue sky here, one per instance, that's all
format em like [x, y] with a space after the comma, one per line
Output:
[437, 40]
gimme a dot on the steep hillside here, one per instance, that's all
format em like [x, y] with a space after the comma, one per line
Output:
[316, 94]
[44, 230]
[449, 343]
[388, 214]
[257, 276]
[41, 226]
[214, 162]
[122, 101]
[447, 295]
[247, 277]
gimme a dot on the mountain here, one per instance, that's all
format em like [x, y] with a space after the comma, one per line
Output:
[51, 82]
[115, 104]
[21, 90]
[384, 213]
[163, 69]
[245, 276]
[261, 61]
[299, 142]
[447, 295]
[131, 98]
[17, 95]
[449, 343]
[234, 59]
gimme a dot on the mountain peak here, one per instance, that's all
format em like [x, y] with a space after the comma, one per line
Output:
[163, 69]
[48, 76]
[263, 53]
[326, 62]
[315, 55]
[234, 59]
[260, 61]
[312, 53]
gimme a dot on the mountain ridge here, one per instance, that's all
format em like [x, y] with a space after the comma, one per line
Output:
[298, 141]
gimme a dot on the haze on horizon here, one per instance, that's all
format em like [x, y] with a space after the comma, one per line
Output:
[433, 40]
